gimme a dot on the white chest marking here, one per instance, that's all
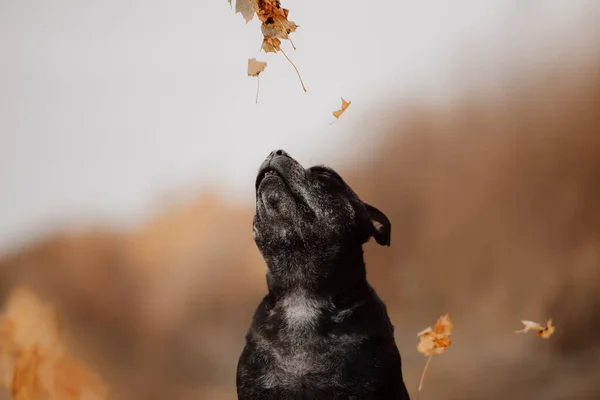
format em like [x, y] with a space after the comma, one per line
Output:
[300, 310]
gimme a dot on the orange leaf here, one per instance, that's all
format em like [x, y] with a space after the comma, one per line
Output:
[434, 341]
[345, 105]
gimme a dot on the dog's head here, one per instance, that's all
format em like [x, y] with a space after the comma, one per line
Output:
[310, 213]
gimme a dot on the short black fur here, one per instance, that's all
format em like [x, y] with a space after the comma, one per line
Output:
[321, 332]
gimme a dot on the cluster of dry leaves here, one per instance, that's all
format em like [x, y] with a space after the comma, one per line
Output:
[275, 24]
[34, 361]
[436, 340]
[275, 27]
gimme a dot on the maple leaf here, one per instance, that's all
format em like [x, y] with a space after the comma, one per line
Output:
[542, 331]
[345, 105]
[434, 341]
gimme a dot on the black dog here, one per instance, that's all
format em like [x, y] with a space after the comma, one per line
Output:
[321, 332]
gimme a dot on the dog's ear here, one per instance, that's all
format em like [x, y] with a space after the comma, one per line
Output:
[382, 227]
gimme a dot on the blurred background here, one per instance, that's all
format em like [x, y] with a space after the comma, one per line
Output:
[129, 144]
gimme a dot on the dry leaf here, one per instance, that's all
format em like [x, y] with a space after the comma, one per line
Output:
[271, 45]
[247, 8]
[280, 29]
[434, 341]
[345, 104]
[542, 331]
[255, 67]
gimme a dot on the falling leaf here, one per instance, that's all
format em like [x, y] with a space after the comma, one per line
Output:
[345, 104]
[247, 8]
[542, 331]
[434, 341]
[255, 67]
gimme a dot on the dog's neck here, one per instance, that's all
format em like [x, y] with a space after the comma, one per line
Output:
[318, 273]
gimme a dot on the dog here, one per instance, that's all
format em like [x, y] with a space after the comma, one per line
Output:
[321, 332]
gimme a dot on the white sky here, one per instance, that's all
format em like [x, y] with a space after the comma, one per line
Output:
[107, 105]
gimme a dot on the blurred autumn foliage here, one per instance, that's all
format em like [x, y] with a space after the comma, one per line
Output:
[495, 204]
[34, 360]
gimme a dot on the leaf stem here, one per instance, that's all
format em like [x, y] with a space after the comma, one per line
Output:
[298, 72]
[286, 34]
[257, 86]
[424, 371]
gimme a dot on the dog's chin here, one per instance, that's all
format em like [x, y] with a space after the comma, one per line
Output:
[274, 199]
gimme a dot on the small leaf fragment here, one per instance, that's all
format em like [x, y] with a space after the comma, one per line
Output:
[345, 105]
[542, 331]
[255, 67]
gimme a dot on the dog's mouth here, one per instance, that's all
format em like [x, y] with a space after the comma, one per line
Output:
[266, 173]
[284, 173]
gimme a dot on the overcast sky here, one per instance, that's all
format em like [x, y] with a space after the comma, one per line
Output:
[107, 105]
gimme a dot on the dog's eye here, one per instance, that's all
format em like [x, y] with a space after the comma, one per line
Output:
[328, 176]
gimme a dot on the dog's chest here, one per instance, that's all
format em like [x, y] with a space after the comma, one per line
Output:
[299, 312]
[297, 347]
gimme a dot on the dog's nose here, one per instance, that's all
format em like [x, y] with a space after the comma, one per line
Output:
[279, 152]
[272, 155]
